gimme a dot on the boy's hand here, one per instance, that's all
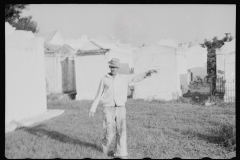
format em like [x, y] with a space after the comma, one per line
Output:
[91, 114]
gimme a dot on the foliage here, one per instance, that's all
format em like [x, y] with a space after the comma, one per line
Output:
[13, 11]
[12, 15]
[25, 23]
[211, 46]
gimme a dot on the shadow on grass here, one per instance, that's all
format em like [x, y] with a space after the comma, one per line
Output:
[40, 131]
[223, 136]
[209, 138]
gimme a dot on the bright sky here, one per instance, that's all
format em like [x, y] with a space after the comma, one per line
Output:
[136, 23]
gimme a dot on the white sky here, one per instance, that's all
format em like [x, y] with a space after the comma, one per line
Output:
[136, 23]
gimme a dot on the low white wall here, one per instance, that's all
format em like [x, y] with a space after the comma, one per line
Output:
[25, 77]
[89, 71]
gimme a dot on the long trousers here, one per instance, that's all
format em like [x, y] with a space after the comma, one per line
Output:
[114, 123]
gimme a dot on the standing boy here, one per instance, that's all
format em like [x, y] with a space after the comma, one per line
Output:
[112, 93]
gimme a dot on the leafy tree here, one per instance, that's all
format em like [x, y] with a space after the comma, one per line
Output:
[25, 23]
[211, 46]
[13, 11]
[12, 15]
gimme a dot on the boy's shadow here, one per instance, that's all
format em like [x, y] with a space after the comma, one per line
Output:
[40, 131]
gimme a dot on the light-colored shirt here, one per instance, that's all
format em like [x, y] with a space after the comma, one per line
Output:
[113, 90]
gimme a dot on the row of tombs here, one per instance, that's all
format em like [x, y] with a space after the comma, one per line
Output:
[37, 65]
[80, 72]
[72, 72]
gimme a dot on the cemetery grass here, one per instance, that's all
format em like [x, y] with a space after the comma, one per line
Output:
[156, 129]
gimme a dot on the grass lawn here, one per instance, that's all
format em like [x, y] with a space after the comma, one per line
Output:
[155, 129]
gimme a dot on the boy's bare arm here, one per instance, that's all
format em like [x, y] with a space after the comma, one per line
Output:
[140, 76]
[97, 99]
